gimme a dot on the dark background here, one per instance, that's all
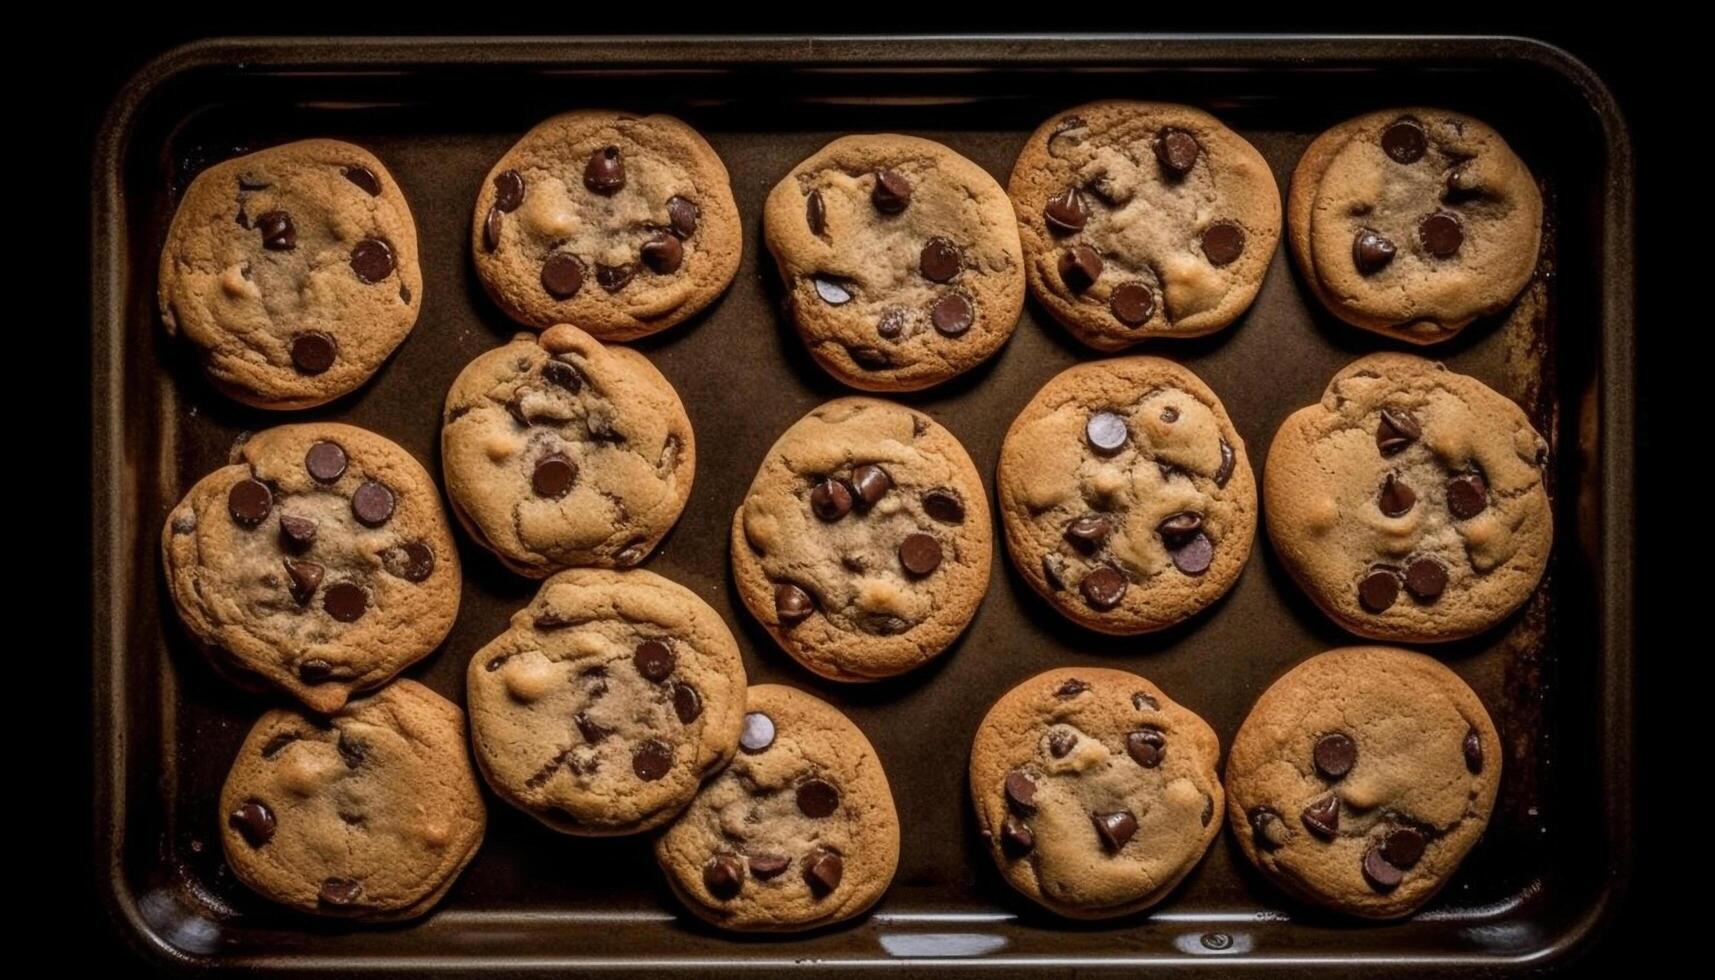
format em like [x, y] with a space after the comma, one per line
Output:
[1646, 73]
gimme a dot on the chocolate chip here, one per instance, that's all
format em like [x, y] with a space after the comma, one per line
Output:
[653, 660]
[1054, 571]
[1403, 847]
[1473, 752]
[340, 891]
[870, 482]
[562, 374]
[1179, 529]
[1441, 234]
[1404, 141]
[508, 190]
[723, 875]
[1142, 700]
[1395, 431]
[1467, 495]
[1060, 743]
[940, 260]
[1065, 213]
[562, 275]
[1071, 689]
[249, 502]
[1228, 461]
[1114, 828]
[792, 605]
[1016, 838]
[1176, 150]
[769, 866]
[1020, 792]
[553, 476]
[891, 324]
[1371, 252]
[1395, 498]
[687, 703]
[830, 499]
[372, 504]
[278, 232]
[920, 554]
[815, 213]
[303, 578]
[1169, 415]
[1425, 579]
[1103, 587]
[253, 820]
[1223, 242]
[1088, 533]
[1080, 267]
[351, 751]
[869, 358]
[1335, 754]
[944, 505]
[682, 215]
[345, 602]
[663, 254]
[325, 461]
[952, 314]
[605, 171]
[613, 278]
[313, 352]
[1106, 432]
[1147, 747]
[832, 292]
[652, 760]
[364, 178]
[1267, 831]
[892, 193]
[757, 734]
[818, 798]
[1322, 818]
[1194, 556]
[1381, 875]
[822, 872]
[491, 226]
[587, 727]
[315, 671]
[372, 260]
[1132, 303]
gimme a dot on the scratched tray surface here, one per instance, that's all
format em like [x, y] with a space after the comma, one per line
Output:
[536, 898]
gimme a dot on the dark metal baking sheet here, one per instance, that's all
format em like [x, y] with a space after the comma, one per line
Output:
[1557, 677]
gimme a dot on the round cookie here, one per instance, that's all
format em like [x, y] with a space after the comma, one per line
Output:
[1362, 778]
[558, 451]
[1095, 792]
[1143, 219]
[319, 561]
[900, 259]
[368, 814]
[1410, 503]
[294, 270]
[623, 225]
[863, 544]
[606, 702]
[1414, 222]
[799, 832]
[1126, 496]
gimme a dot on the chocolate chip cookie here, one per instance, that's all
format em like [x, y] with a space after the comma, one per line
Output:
[294, 270]
[1362, 778]
[623, 225]
[368, 814]
[863, 544]
[607, 702]
[900, 259]
[1095, 792]
[1410, 503]
[558, 451]
[1414, 222]
[1126, 496]
[319, 561]
[1143, 219]
[799, 832]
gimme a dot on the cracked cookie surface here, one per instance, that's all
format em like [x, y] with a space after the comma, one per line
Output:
[623, 225]
[558, 451]
[607, 702]
[1143, 220]
[319, 561]
[1096, 794]
[1362, 778]
[1410, 502]
[1414, 222]
[1126, 496]
[863, 544]
[370, 813]
[800, 830]
[900, 258]
[294, 270]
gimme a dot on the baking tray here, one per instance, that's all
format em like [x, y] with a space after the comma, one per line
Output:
[1557, 676]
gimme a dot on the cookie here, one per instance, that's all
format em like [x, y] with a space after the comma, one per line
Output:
[1414, 222]
[319, 562]
[1126, 496]
[1142, 220]
[799, 832]
[1096, 794]
[294, 270]
[1362, 778]
[863, 544]
[368, 814]
[558, 451]
[623, 225]
[606, 702]
[900, 260]
[1410, 502]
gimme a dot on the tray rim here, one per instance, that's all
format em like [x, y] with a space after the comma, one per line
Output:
[1616, 375]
